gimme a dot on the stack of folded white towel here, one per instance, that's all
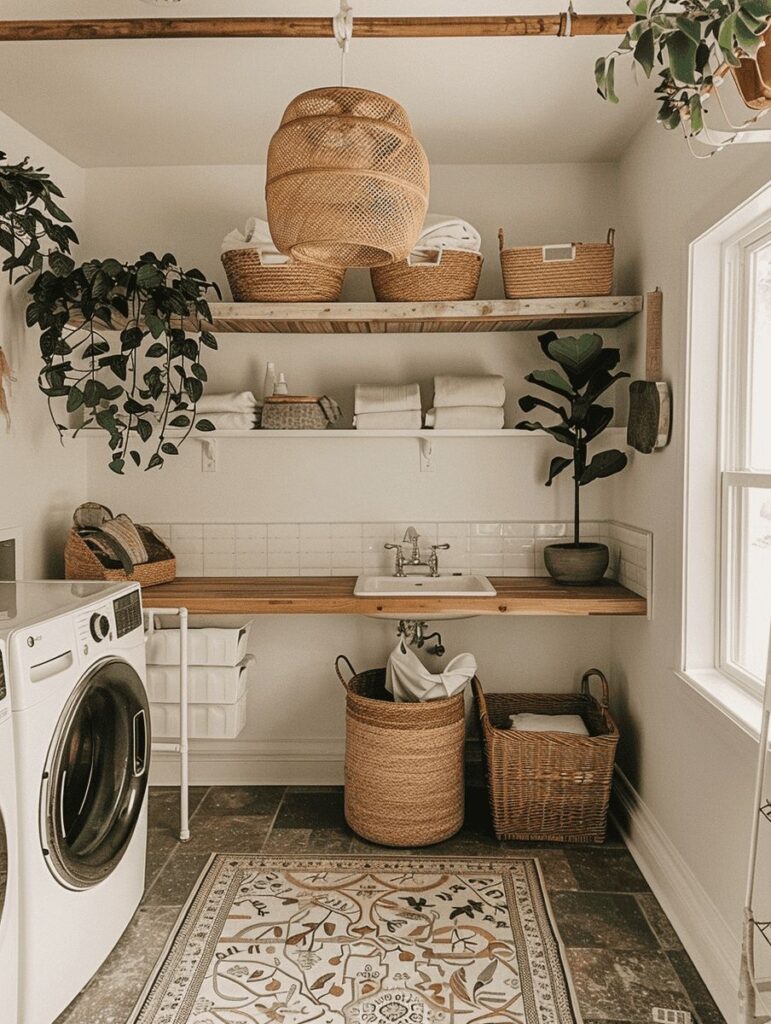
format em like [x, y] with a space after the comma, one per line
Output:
[441, 232]
[467, 403]
[256, 235]
[235, 410]
[387, 407]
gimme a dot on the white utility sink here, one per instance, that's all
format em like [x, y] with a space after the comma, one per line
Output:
[417, 586]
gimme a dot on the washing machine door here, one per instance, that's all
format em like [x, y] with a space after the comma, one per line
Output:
[97, 773]
[3, 864]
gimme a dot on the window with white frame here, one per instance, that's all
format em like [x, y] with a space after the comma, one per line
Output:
[744, 579]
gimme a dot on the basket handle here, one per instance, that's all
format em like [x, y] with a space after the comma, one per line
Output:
[603, 682]
[611, 236]
[501, 242]
[479, 693]
[338, 659]
[427, 263]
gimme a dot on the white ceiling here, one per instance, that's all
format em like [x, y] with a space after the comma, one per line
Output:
[217, 101]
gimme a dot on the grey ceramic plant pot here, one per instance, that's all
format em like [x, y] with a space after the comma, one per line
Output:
[577, 564]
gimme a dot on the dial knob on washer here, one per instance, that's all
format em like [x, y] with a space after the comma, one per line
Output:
[99, 626]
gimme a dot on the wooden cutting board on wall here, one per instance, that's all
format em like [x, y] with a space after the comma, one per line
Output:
[650, 404]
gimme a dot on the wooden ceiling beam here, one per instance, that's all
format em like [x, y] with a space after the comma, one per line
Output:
[311, 28]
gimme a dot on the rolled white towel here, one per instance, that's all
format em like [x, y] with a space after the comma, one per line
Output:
[230, 420]
[442, 232]
[450, 390]
[465, 417]
[231, 401]
[256, 235]
[527, 722]
[372, 398]
[406, 419]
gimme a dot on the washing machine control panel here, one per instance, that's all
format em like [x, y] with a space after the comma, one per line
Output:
[128, 613]
[99, 626]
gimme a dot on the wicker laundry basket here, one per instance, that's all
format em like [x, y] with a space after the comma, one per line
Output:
[548, 786]
[252, 281]
[81, 563]
[403, 763]
[452, 276]
[557, 271]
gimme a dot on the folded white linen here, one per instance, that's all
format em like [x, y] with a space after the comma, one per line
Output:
[451, 390]
[408, 679]
[527, 722]
[465, 417]
[256, 235]
[442, 232]
[369, 398]
[405, 419]
[230, 420]
[231, 401]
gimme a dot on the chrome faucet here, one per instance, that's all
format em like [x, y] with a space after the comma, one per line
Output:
[411, 536]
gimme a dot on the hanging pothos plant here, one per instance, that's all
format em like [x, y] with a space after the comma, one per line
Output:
[688, 43]
[141, 388]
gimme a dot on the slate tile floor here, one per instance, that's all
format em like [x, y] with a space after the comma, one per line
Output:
[623, 953]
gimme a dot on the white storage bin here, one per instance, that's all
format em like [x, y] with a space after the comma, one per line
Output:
[206, 721]
[206, 646]
[207, 684]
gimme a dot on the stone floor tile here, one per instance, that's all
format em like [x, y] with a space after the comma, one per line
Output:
[557, 872]
[241, 800]
[613, 985]
[160, 845]
[307, 808]
[658, 921]
[174, 884]
[113, 992]
[602, 920]
[163, 808]
[603, 869]
[703, 1003]
[332, 841]
[235, 833]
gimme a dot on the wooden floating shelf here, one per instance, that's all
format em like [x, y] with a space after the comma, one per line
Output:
[423, 317]
[333, 595]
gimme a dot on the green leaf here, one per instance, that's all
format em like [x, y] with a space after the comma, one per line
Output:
[169, 449]
[155, 460]
[644, 52]
[199, 371]
[575, 354]
[596, 419]
[180, 421]
[117, 464]
[689, 27]
[603, 464]
[562, 434]
[74, 399]
[155, 325]
[205, 425]
[194, 389]
[136, 457]
[552, 381]
[60, 263]
[556, 466]
[208, 339]
[144, 429]
[681, 52]
[697, 118]
[149, 277]
[156, 350]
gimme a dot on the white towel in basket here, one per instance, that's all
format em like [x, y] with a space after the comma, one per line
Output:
[408, 679]
[527, 722]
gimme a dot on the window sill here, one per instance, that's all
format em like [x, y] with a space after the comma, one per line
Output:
[744, 709]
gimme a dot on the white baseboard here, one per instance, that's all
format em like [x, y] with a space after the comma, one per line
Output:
[709, 941]
[300, 762]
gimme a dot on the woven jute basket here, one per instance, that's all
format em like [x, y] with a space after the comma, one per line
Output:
[403, 763]
[452, 275]
[80, 562]
[548, 786]
[753, 76]
[557, 271]
[252, 281]
[347, 181]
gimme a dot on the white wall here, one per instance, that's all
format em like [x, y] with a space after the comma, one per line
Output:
[296, 709]
[690, 764]
[40, 482]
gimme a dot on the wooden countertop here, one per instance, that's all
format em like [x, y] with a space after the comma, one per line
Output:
[333, 595]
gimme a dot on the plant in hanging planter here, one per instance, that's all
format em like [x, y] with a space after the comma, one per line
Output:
[141, 389]
[588, 374]
[689, 43]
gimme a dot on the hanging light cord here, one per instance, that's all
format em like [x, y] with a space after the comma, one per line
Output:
[342, 26]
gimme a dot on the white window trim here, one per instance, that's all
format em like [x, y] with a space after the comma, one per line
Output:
[712, 292]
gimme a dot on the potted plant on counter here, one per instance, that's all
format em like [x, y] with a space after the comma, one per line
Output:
[587, 373]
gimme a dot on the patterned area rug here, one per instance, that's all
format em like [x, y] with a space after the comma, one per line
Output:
[362, 941]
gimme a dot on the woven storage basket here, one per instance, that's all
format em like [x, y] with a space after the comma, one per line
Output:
[403, 763]
[548, 786]
[453, 275]
[251, 281]
[556, 271]
[347, 181]
[293, 412]
[80, 562]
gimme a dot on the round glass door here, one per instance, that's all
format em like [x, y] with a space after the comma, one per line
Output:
[97, 775]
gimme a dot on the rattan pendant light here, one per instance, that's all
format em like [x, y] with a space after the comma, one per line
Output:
[347, 181]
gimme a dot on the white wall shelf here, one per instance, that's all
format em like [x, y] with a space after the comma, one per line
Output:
[322, 435]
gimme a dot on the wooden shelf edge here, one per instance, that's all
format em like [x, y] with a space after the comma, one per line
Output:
[508, 433]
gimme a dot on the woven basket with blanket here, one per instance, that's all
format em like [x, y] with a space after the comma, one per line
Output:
[101, 546]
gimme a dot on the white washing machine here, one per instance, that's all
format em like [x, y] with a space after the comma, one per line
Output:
[9, 918]
[82, 744]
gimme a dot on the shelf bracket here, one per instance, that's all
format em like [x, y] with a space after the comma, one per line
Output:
[208, 454]
[426, 454]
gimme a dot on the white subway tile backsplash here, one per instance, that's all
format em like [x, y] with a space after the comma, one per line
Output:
[345, 549]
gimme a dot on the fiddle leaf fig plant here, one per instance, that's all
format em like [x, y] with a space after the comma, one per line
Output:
[142, 385]
[585, 373]
[122, 343]
[686, 42]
